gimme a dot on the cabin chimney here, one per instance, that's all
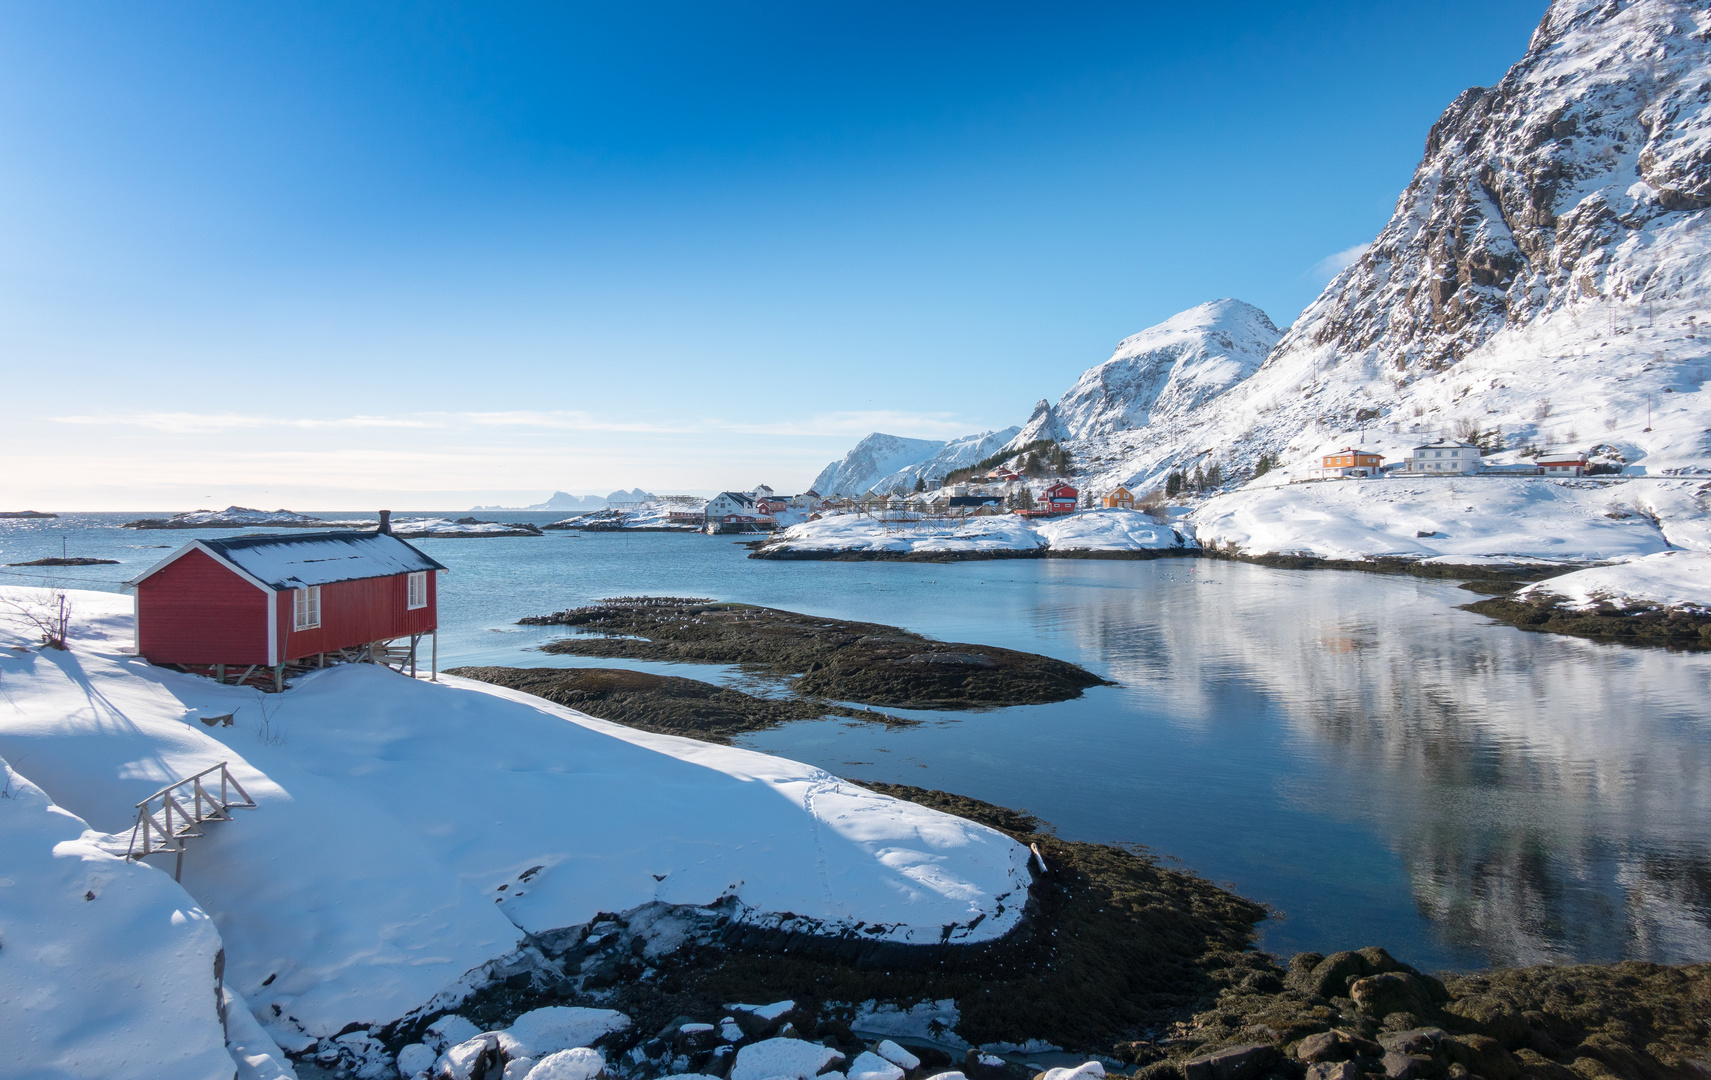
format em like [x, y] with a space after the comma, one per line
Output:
[386, 523]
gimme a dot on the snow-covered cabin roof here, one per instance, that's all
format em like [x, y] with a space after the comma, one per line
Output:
[1448, 446]
[303, 559]
[742, 498]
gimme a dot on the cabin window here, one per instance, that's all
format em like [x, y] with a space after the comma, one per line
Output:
[306, 608]
[418, 587]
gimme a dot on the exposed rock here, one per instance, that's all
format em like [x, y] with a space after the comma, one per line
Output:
[1232, 1063]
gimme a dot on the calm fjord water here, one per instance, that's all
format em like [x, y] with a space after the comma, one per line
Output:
[1380, 767]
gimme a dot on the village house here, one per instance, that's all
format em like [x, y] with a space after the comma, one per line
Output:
[265, 602]
[728, 503]
[771, 504]
[761, 491]
[1350, 461]
[1119, 496]
[1457, 458]
[809, 500]
[1059, 498]
[974, 505]
[1563, 465]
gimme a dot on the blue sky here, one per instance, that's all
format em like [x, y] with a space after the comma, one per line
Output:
[320, 255]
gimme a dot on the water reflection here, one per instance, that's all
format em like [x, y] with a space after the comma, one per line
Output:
[1548, 797]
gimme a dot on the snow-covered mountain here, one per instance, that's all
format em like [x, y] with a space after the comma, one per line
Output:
[1160, 373]
[880, 461]
[1545, 273]
[1544, 278]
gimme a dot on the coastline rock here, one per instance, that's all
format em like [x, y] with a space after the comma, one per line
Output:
[1232, 1063]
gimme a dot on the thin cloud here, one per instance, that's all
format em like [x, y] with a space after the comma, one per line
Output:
[195, 423]
[1332, 265]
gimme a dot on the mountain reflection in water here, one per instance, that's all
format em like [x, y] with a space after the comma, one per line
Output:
[1325, 740]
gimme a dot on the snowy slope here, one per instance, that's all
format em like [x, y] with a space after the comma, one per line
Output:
[881, 462]
[1668, 579]
[1160, 373]
[393, 810]
[107, 969]
[1462, 520]
[876, 456]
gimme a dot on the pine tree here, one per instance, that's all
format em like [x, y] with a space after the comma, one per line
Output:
[920, 484]
[1172, 485]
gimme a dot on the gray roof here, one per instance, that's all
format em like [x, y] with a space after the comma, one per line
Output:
[296, 560]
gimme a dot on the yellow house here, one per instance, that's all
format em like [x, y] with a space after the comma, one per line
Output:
[1120, 496]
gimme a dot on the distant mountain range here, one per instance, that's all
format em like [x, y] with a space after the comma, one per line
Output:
[1540, 285]
[564, 501]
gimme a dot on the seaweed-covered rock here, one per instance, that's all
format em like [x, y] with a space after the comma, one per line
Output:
[1392, 992]
[1232, 1063]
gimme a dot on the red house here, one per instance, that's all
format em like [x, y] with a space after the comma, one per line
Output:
[1060, 498]
[262, 602]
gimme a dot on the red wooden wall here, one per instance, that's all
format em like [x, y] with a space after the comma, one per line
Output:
[355, 613]
[196, 611]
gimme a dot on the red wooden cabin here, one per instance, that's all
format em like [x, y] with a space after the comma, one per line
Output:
[1060, 498]
[268, 601]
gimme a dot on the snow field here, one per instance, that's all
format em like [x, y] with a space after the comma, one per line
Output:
[1669, 579]
[1478, 516]
[409, 833]
[1089, 530]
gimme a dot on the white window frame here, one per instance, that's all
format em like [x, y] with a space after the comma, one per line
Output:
[416, 590]
[306, 608]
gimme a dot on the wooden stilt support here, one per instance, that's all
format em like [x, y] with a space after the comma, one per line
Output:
[278, 678]
[220, 672]
[434, 668]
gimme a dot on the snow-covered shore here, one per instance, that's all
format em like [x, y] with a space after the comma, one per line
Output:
[1668, 580]
[1465, 521]
[902, 534]
[409, 834]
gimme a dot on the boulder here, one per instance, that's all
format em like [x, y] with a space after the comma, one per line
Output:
[792, 1059]
[580, 1063]
[1420, 1040]
[468, 1060]
[1410, 1066]
[895, 1054]
[1232, 1063]
[1334, 1045]
[1380, 995]
[870, 1066]
[1482, 1056]
[1334, 1070]
[1330, 977]
[1535, 1066]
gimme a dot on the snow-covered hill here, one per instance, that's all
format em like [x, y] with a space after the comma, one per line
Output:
[880, 462]
[1160, 373]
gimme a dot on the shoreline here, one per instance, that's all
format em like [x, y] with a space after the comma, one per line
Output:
[1150, 969]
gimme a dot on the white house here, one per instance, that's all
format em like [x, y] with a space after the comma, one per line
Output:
[729, 502]
[1445, 457]
[761, 491]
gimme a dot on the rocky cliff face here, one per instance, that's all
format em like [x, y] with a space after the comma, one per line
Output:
[1552, 188]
